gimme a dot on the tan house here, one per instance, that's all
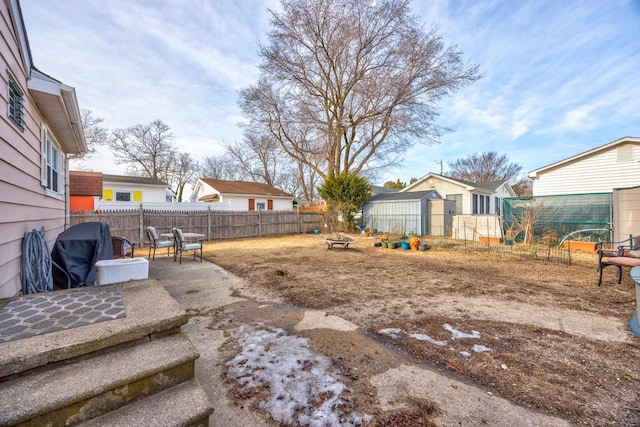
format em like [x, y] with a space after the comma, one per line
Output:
[471, 198]
[241, 195]
[39, 131]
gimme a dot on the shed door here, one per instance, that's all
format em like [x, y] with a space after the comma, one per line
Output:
[252, 204]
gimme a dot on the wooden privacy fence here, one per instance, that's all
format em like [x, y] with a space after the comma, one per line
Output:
[130, 224]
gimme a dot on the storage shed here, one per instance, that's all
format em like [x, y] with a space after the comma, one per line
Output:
[400, 213]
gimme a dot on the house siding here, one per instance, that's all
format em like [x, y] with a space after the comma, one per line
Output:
[24, 205]
[445, 188]
[150, 194]
[599, 173]
[241, 202]
[626, 205]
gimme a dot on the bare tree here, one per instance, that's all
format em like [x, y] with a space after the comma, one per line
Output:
[522, 186]
[352, 82]
[94, 134]
[486, 167]
[147, 150]
[220, 167]
[259, 157]
[182, 170]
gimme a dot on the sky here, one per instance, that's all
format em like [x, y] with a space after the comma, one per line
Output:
[559, 77]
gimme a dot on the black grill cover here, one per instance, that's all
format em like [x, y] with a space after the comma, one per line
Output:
[76, 251]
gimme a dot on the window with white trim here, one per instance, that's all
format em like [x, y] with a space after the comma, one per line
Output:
[481, 204]
[51, 154]
[15, 106]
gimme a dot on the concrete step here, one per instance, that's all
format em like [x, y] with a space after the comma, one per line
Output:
[183, 405]
[150, 312]
[71, 393]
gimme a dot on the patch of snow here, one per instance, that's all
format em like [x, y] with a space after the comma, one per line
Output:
[304, 388]
[391, 332]
[423, 337]
[456, 334]
[480, 348]
[465, 354]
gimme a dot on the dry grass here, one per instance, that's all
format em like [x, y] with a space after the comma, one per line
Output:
[590, 380]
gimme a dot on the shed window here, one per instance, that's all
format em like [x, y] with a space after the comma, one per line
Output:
[122, 196]
[15, 106]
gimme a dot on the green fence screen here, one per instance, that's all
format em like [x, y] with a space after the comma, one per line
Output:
[562, 214]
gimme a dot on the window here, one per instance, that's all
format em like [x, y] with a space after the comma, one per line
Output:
[123, 196]
[458, 199]
[260, 206]
[51, 157]
[498, 203]
[15, 107]
[481, 204]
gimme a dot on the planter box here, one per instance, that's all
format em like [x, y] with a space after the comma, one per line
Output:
[489, 240]
[121, 270]
[580, 246]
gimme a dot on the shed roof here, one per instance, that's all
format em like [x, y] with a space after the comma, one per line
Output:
[410, 195]
[244, 187]
[142, 180]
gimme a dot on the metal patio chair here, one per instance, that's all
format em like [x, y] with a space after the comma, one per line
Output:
[156, 243]
[182, 245]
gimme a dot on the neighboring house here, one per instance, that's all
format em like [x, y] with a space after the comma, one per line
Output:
[132, 189]
[376, 189]
[600, 170]
[470, 198]
[85, 189]
[399, 213]
[39, 131]
[95, 190]
[241, 195]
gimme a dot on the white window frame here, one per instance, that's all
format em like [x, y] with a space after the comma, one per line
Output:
[52, 166]
[260, 206]
[15, 103]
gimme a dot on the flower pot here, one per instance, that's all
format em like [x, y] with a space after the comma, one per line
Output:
[391, 245]
[405, 245]
[385, 244]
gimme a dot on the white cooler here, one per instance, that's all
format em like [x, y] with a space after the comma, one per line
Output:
[121, 270]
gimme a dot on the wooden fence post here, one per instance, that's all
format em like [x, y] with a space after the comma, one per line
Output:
[209, 222]
[141, 227]
[259, 222]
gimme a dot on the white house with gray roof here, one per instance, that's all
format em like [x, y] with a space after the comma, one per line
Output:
[471, 198]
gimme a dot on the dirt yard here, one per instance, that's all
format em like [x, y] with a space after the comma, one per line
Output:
[547, 336]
